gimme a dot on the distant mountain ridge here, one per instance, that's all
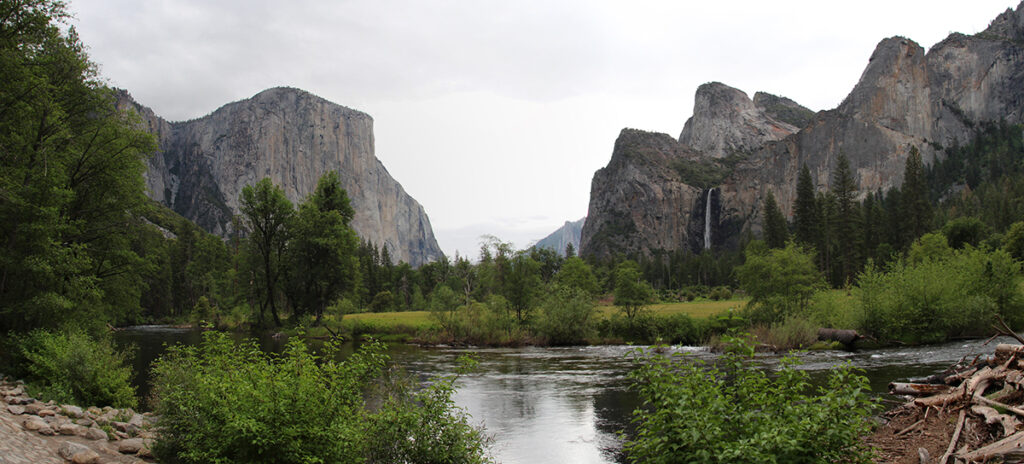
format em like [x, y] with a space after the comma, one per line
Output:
[655, 191]
[559, 239]
[293, 137]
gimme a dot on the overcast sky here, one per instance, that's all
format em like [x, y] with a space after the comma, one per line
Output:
[494, 115]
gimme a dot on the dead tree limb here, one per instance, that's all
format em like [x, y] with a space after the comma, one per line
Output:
[956, 436]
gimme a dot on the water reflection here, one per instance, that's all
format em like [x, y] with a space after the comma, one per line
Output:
[567, 405]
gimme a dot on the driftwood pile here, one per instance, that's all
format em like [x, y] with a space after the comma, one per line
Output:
[987, 395]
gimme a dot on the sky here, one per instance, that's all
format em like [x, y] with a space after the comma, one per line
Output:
[494, 115]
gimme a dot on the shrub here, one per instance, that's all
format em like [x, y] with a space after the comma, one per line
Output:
[934, 299]
[71, 367]
[681, 329]
[720, 293]
[792, 333]
[735, 413]
[222, 402]
[836, 309]
[567, 317]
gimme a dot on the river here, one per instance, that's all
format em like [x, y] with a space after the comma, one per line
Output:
[567, 405]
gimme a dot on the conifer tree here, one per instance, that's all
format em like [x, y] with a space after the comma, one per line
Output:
[917, 210]
[776, 231]
[847, 221]
[805, 220]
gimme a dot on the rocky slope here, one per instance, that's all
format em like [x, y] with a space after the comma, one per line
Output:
[559, 239]
[905, 97]
[293, 137]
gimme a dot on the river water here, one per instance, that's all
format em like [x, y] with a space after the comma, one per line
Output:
[567, 405]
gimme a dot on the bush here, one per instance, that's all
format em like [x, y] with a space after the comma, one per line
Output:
[567, 317]
[222, 402]
[720, 293]
[681, 329]
[792, 333]
[935, 299]
[71, 367]
[836, 309]
[735, 413]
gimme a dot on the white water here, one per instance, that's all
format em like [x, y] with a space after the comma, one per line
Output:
[707, 221]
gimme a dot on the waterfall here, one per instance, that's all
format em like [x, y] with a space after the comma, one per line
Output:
[707, 221]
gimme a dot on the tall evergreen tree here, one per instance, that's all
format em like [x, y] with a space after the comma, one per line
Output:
[776, 231]
[805, 218]
[847, 221]
[917, 210]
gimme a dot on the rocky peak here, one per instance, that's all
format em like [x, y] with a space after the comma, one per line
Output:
[293, 137]
[1009, 25]
[783, 109]
[893, 89]
[726, 121]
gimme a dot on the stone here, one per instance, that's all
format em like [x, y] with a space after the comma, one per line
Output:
[34, 423]
[72, 411]
[34, 408]
[293, 137]
[130, 446]
[16, 410]
[94, 433]
[136, 420]
[77, 453]
[46, 413]
[69, 428]
[46, 430]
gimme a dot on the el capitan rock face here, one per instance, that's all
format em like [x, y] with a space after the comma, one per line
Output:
[905, 98]
[293, 137]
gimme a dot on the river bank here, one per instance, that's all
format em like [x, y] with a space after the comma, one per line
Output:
[32, 431]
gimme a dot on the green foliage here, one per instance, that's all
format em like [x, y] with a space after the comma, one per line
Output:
[733, 412]
[932, 300]
[71, 182]
[917, 209]
[836, 309]
[568, 316]
[1014, 241]
[929, 247]
[267, 214]
[965, 231]
[300, 407]
[424, 425]
[780, 282]
[70, 367]
[805, 212]
[321, 260]
[631, 293]
[776, 231]
[576, 273]
[522, 284]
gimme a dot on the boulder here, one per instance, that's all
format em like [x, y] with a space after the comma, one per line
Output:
[16, 410]
[94, 433]
[78, 454]
[130, 446]
[34, 423]
[72, 411]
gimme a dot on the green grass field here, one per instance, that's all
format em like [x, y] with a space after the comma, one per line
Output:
[421, 319]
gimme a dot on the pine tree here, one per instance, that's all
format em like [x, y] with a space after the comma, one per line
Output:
[776, 231]
[847, 221]
[805, 218]
[917, 210]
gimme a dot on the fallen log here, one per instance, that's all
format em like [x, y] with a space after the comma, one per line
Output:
[988, 402]
[993, 417]
[916, 389]
[1011, 444]
[846, 337]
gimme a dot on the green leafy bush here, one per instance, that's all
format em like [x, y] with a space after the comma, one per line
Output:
[222, 402]
[935, 299]
[733, 412]
[568, 317]
[71, 367]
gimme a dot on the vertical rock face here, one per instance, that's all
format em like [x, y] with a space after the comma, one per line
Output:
[904, 98]
[559, 239]
[726, 122]
[292, 137]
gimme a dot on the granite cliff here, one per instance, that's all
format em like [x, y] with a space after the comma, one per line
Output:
[559, 239]
[293, 137]
[653, 195]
